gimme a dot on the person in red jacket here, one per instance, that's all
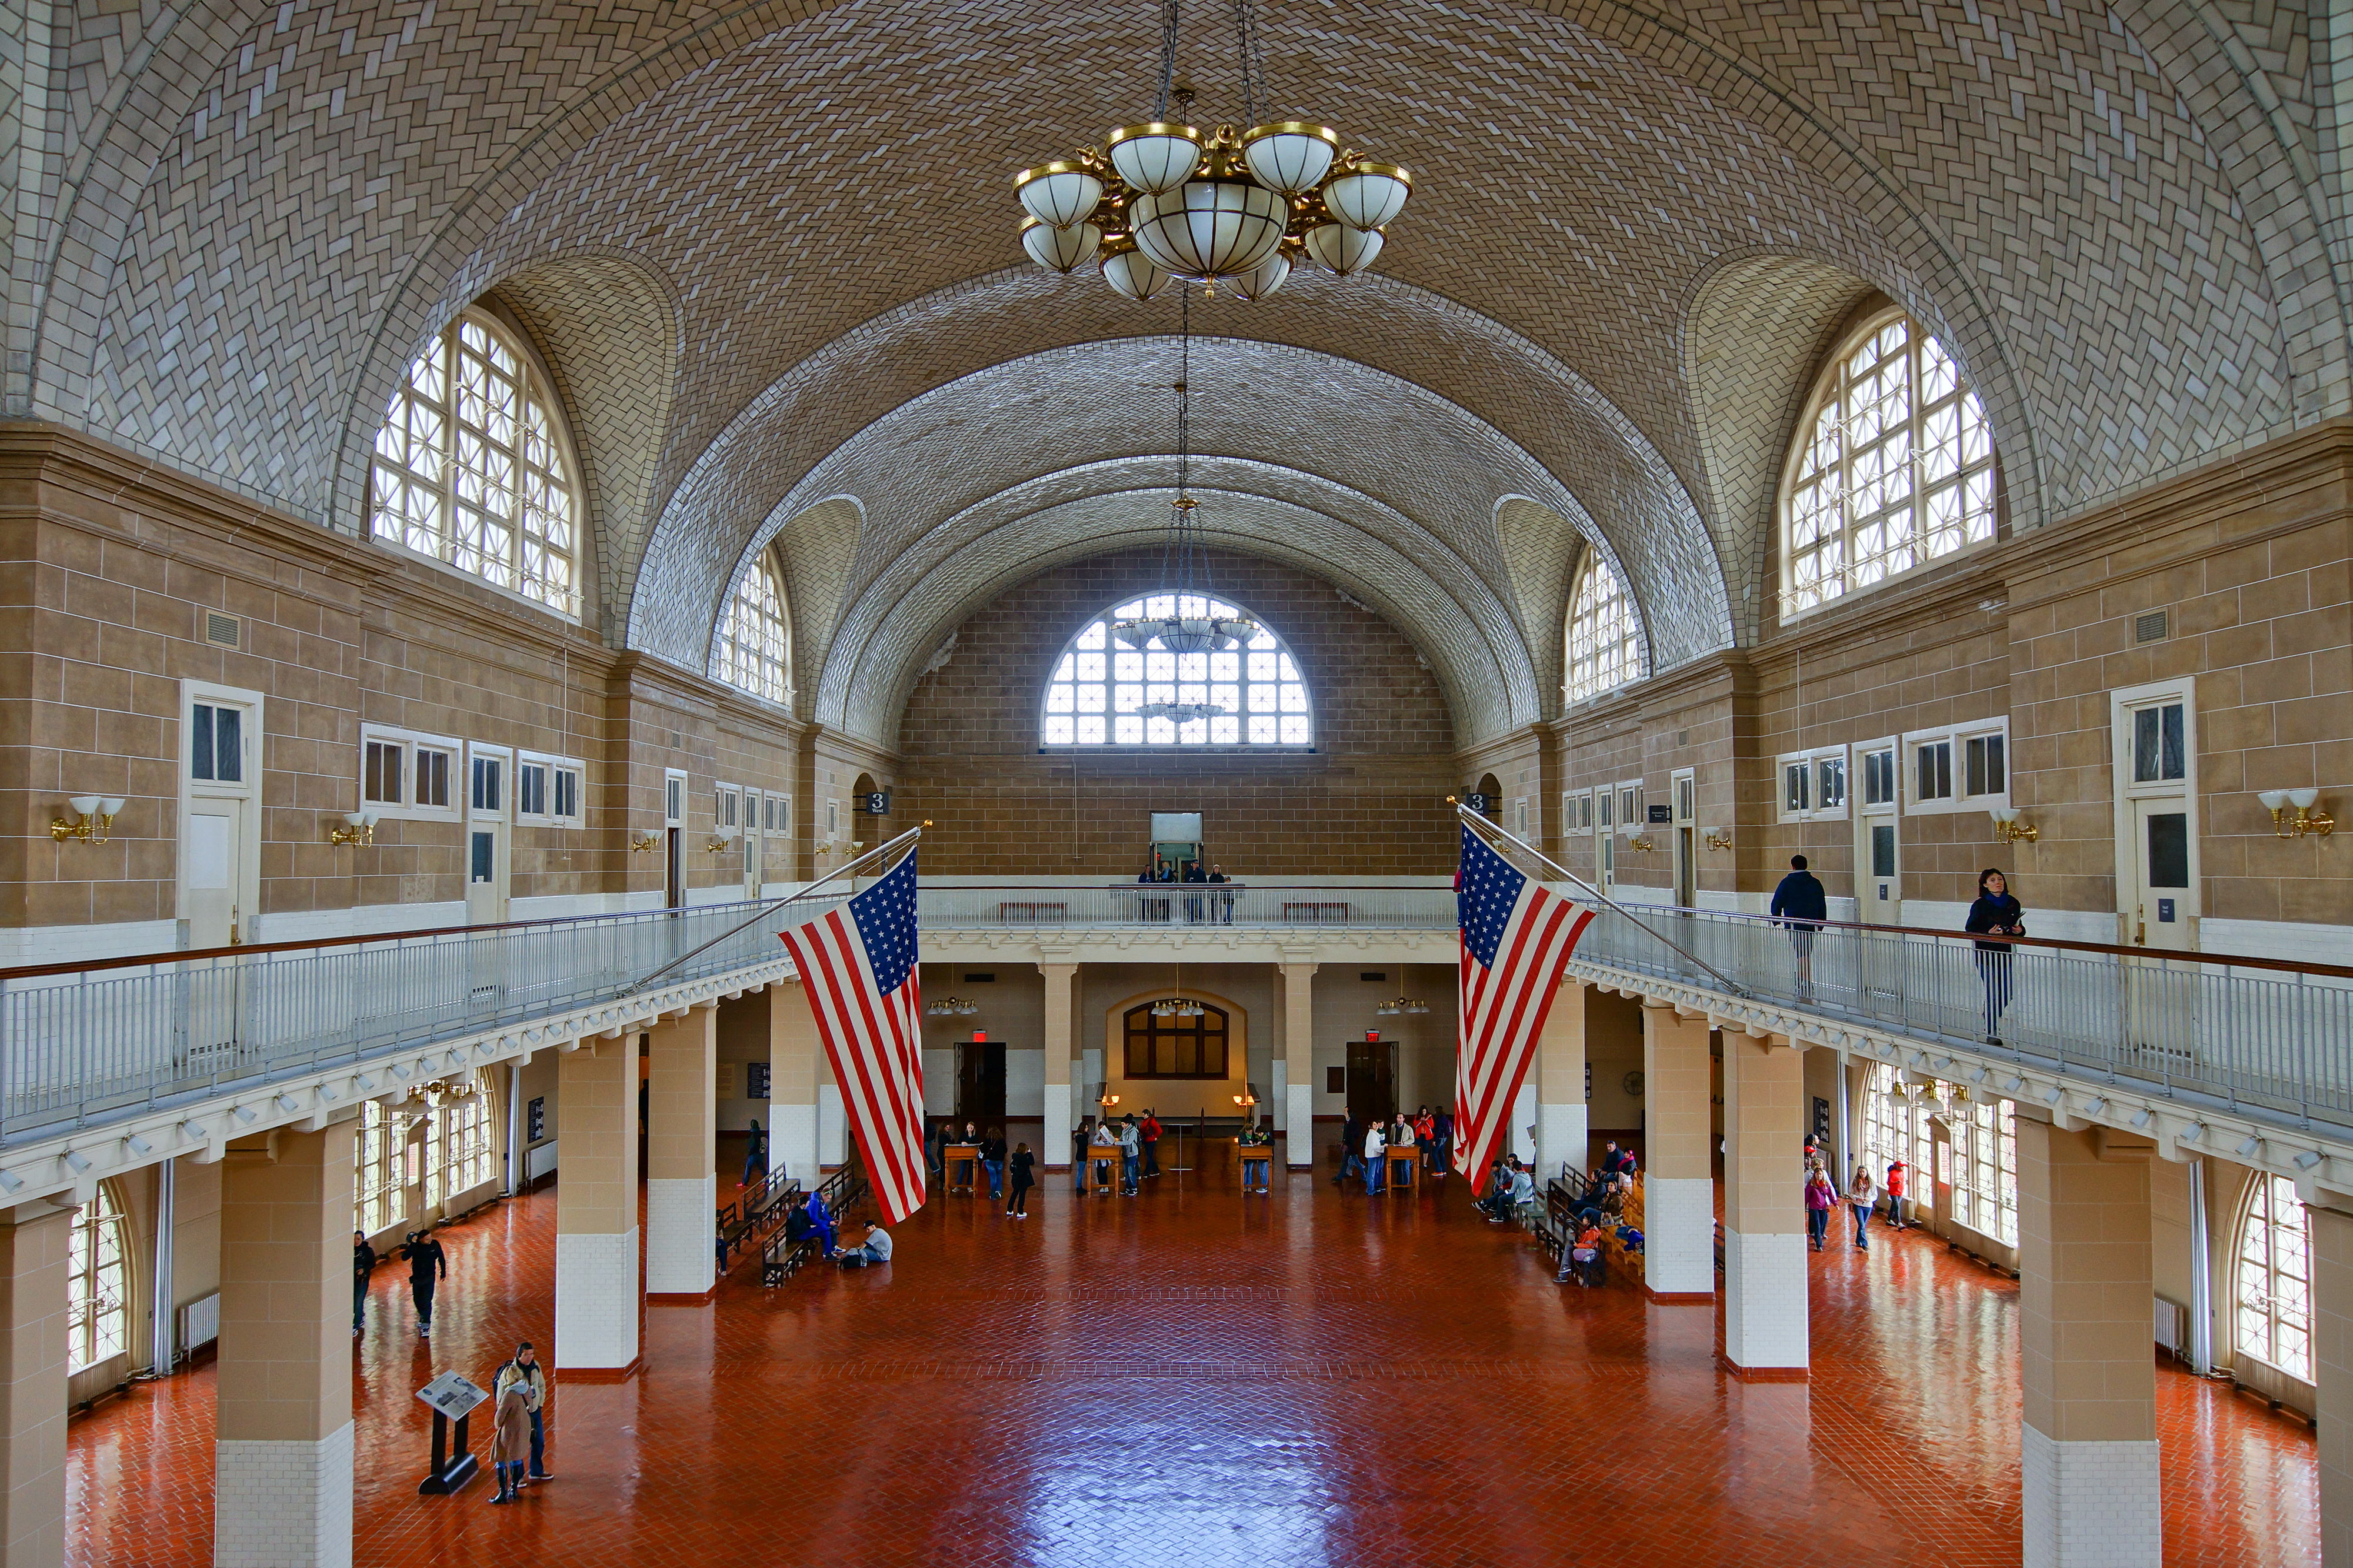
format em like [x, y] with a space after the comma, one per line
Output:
[1896, 1173]
[1150, 1135]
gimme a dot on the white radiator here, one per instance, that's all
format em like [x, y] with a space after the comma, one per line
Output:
[2172, 1325]
[537, 1163]
[199, 1323]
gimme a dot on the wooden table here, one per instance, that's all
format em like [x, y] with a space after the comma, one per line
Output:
[1111, 1156]
[1249, 1154]
[967, 1155]
[1409, 1159]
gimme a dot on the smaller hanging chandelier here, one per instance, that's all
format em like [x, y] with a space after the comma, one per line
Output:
[1167, 200]
[1177, 1008]
[950, 1007]
[1393, 1007]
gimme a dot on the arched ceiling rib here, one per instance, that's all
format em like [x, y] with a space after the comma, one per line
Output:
[1380, 556]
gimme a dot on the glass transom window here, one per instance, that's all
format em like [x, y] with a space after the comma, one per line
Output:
[1896, 469]
[472, 469]
[1603, 638]
[1093, 696]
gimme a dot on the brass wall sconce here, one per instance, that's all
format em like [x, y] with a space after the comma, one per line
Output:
[644, 846]
[359, 827]
[1641, 842]
[720, 843]
[832, 845]
[2009, 829]
[2306, 820]
[1718, 840]
[97, 814]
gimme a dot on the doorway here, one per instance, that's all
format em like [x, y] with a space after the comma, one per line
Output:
[220, 840]
[2157, 825]
[673, 839]
[1878, 870]
[1684, 787]
[1372, 1090]
[980, 1082]
[752, 844]
[487, 843]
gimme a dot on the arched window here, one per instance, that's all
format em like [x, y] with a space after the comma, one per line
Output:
[1602, 633]
[1097, 687]
[473, 469]
[376, 1194]
[1985, 1169]
[753, 647]
[1894, 467]
[97, 1324]
[1171, 1044]
[2275, 1279]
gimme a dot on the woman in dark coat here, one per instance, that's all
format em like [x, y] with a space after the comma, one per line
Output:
[1995, 913]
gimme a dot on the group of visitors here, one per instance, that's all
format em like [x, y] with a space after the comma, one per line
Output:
[1130, 1145]
[1861, 1198]
[1800, 906]
[428, 1265]
[1511, 1188]
[1215, 909]
[1365, 1145]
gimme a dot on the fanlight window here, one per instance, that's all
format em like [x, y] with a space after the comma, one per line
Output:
[752, 641]
[472, 467]
[1896, 469]
[1604, 648]
[1098, 687]
[2274, 1277]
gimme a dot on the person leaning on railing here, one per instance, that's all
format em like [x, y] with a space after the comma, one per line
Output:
[1800, 904]
[1995, 913]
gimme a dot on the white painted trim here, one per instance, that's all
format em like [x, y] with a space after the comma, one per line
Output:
[28, 945]
[2293, 940]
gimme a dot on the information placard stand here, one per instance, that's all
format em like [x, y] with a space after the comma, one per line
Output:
[451, 1397]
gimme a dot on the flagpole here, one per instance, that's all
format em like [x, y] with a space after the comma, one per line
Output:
[768, 906]
[1480, 824]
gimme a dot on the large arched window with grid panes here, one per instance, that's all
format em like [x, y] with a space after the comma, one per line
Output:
[474, 469]
[1103, 693]
[2274, 1277]
[755, 638]
[1894, 466]
[97, 1284]
[1604, 636]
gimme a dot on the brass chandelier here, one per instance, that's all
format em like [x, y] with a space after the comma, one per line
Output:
[1168, 201]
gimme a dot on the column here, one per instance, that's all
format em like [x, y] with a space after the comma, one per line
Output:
[1294, 1068]
[282, 1447]
[2332, 1377]
[596, 1300]
[683, 1155]
[2087, 1453]
[34, 1242]
[792, 1083]
[1678, 1180]
[1560, 1083]
[1765, 1308]
[1059, 1007]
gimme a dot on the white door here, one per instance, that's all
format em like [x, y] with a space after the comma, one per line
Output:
[220, 848]
[1605, 865]
[211, 851]
[1878, 853]
[2165, 895]
[2157, 856]
[752, 844]
[487, 847]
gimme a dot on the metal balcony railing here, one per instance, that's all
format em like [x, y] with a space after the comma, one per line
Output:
[2237, 1033]
[1201, 904]
[84, 1044]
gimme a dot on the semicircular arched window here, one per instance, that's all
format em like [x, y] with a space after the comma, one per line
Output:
[1604, 638]
[754, 646]
[1893, 468]
[474, 468]
[1102, 693]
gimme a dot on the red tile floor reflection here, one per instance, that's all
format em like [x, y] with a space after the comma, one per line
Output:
[1195, 1377]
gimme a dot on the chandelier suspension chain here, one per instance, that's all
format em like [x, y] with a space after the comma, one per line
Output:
[1167, 56]
[1253, 63]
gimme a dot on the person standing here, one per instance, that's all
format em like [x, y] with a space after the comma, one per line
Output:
[1375, 1146]
[1106, 1152]
[755, 1154]
[1018, 1180]
[1400, 1137]
[1995, 913]
[1861, 1197]
[992, 1160]
[509, 1437]
[1131, 1156]
[1800, 904]
[1441, 1133]
[1079, 1141]
[935, 1143]
[423, 1255]
[1192, 901]
[363, 1266]
[1820, 1198]
[1352, 1140]
[525, 1372]
[1224, 901]
[1152, 1130]
[1896, 1182]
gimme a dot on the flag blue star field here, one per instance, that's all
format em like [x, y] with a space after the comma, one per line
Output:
[858, 965]
[1515, 937]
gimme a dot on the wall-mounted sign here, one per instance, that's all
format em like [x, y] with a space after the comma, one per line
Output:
[535, 1120]
[875, 803]
[1484, 805]
[756, 1081]
[1661, 814]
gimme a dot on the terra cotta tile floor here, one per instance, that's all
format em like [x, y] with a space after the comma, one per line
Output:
[1195, 1377]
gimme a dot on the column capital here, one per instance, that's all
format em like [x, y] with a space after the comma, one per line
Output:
[1300, 961]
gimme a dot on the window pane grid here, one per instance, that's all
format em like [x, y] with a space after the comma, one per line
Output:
[754, 646]
[1097, 685]
[1602, 651]
[469, 470]
[1897, 471]
[2274, 1277]
[96, 1322]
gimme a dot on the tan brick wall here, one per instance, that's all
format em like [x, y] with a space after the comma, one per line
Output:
[1369, 800]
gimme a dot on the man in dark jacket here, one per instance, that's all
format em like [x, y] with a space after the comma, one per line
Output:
[1799, 904]
[1352, 1142]
[363, 1265]
[423, 1255]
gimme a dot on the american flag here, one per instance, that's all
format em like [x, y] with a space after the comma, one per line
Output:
[1515, 937]
[858, 965]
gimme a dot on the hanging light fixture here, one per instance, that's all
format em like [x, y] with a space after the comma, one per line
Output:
[1166, 199]
[950, 1007]
[1396, 1006]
